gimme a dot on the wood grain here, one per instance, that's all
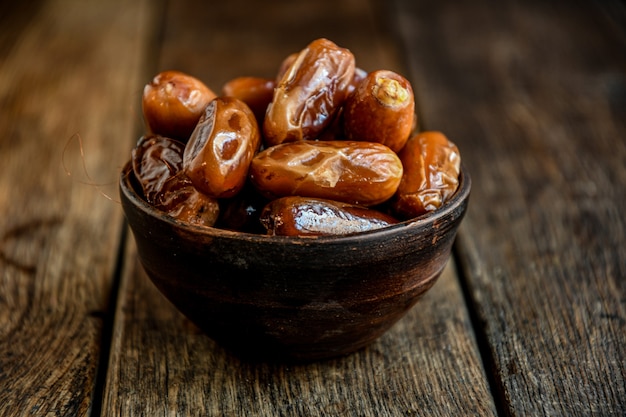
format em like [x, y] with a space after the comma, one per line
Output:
[162, 365]
[534, 94]
[69, 70]
[240, 37]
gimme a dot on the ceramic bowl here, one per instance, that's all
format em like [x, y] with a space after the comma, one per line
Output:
[292, 298]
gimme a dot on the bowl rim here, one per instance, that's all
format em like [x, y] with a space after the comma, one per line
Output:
[460, 196]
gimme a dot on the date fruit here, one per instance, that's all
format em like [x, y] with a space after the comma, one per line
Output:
[256, 92]
[309, 93]
[157, 164]
[303, 216]
[173, 102]
[432, 165]
[155, 159]
[181, 200]
[352, 172]
[220, 149]
[381, 109]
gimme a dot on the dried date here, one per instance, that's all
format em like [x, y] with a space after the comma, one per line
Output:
[303, 216]
[172, 103]
[380, 109]
[181, 200]
[256, 92]
[432, 165]
[157, 163]
[309, 93]
[155, 159]
[220, 149]
[352, 172]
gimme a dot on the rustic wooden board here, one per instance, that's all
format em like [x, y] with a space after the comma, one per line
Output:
[66, 68]
[162, 365]
[534, 94]
[241, 37]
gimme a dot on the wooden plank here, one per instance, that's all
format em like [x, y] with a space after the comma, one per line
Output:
[241, 37]
[71, 70]
[162, 365]
[534, 94]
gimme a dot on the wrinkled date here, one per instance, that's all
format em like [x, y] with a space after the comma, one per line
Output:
[335, 131]
[157, 165]
[431, 174]
[173, 102]
[381, 109]
[352, 172]
[303, 216]
[181, 200]
[309, 93]
[155, 160]
[220, 149]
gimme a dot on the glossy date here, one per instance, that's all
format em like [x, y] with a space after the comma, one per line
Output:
[313, 87]
[181, 200]
[432, 165]
[172, 103]
[381, 109]
[220, 149]
[303, 216]
[256, 92]
[157, 165]
[352, 172]
[155, 160]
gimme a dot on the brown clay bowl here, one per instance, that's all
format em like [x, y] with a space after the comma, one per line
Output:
[290, 298]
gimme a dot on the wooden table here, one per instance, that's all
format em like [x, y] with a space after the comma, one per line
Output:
[528, 319]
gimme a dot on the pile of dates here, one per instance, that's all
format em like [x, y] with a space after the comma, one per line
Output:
[324, 148]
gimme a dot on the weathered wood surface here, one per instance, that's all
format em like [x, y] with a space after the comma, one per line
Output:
[529, 319]
[67, 69]
[534, 94]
